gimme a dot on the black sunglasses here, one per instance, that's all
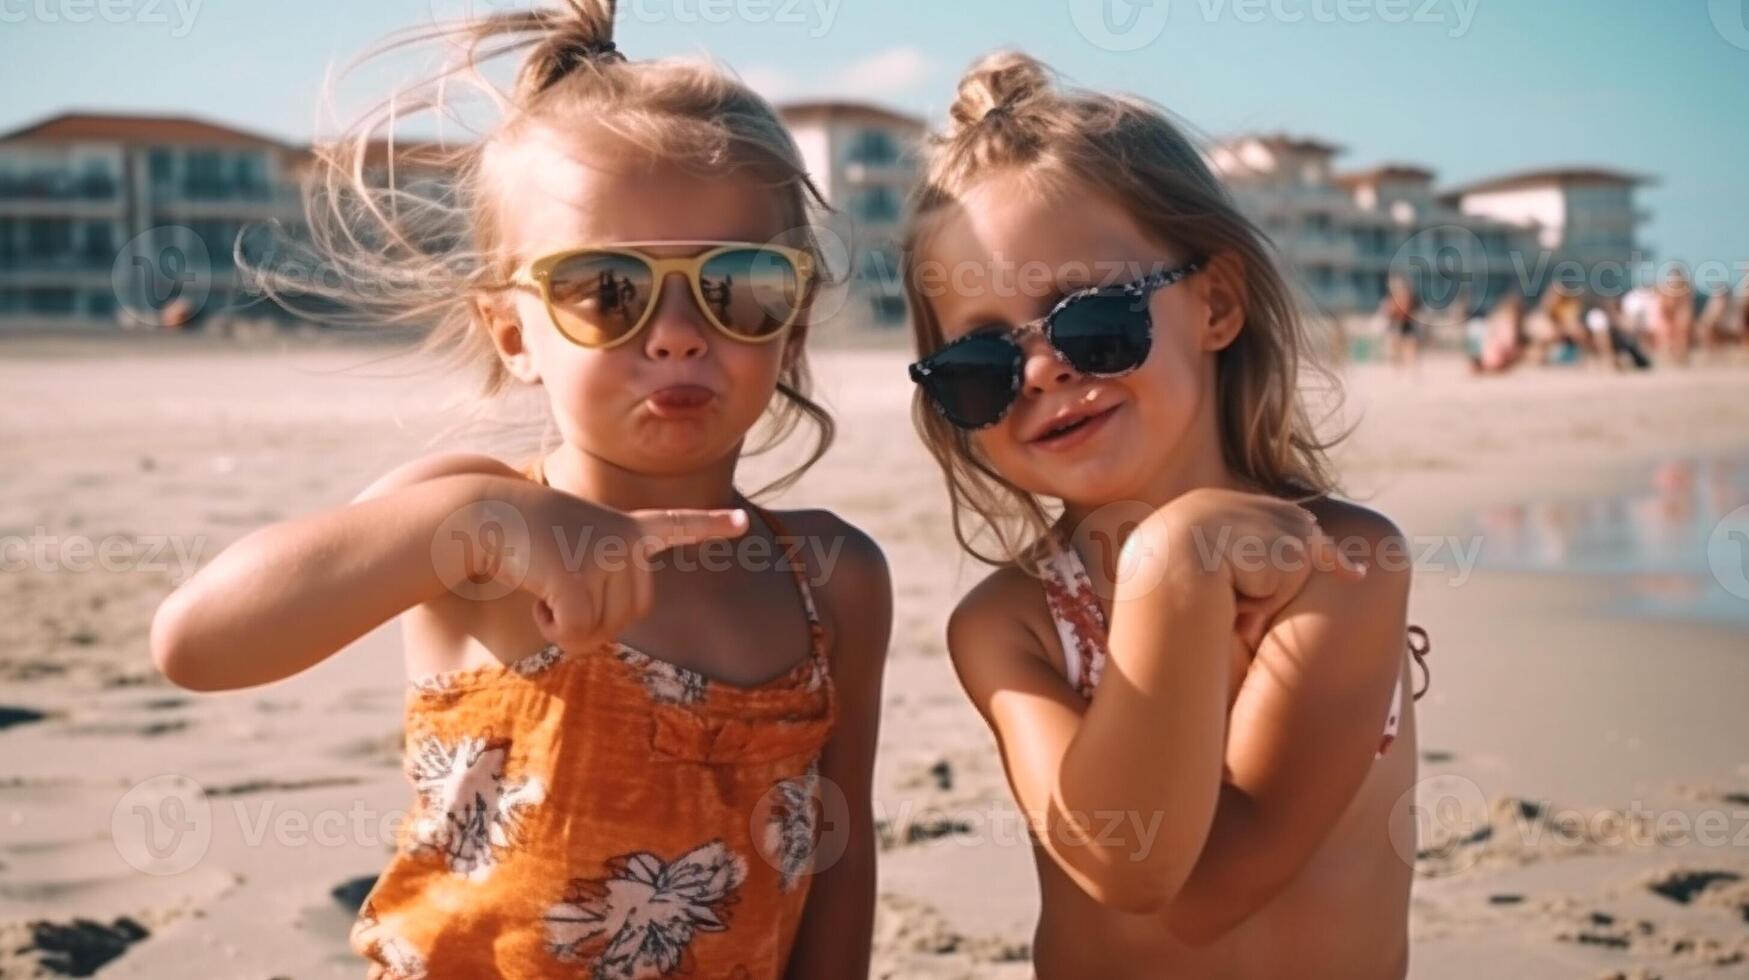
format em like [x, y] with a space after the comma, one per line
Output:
[1105, 331]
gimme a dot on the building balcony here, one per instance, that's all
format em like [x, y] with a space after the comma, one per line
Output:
[31, 264]
[1325, 250]
[893, 172]
[59, 187]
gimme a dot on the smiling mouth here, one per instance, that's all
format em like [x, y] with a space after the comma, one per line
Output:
[1072, 425]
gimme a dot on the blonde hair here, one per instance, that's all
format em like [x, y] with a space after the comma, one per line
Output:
[1009, 116]
[401, 251]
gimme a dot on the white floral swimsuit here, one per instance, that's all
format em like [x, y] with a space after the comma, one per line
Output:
[604, 814]
[1081, 628]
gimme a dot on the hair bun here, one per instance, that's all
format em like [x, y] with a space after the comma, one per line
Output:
[580, 34]
[998, 83]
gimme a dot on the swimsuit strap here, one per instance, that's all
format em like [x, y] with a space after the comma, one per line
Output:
[1075, 611]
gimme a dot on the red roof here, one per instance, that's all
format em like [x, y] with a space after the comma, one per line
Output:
[1558, 176]
[71, 127]
[794, 112]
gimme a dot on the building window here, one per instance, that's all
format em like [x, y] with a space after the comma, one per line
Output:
[875, 147]
[48, 237]
[251, 171]
[205, 177]
[878, 265]
[887, 310]
[160, 165]
[99, 242]
[56, 301]
[876, 205]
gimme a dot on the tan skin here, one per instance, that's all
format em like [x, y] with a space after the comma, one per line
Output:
[295, 593]
[1241, 706]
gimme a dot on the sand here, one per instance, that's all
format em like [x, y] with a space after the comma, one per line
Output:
[1585, 761]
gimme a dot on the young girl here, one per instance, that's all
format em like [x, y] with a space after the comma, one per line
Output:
[1209, 735]
[631, 692]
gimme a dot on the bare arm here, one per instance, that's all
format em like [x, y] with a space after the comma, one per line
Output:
[290, 595]
[1119, 816]
[1122, 815]
[1305, 730]
[293, 594]
[838, 925]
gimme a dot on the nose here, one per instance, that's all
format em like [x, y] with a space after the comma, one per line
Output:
[1043, 370]
[677, 330]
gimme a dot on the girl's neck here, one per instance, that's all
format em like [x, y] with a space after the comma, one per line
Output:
[1197, 465]
[600, 481]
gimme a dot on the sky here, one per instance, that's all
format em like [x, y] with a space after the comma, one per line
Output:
[1468, 88]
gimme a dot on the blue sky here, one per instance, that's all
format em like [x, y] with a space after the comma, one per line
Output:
[1468, 87]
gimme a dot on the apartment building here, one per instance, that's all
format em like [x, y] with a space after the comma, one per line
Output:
[864, 159]
[1346, 232]
[128, 219]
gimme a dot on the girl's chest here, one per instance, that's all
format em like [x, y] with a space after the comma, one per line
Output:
[740, 626]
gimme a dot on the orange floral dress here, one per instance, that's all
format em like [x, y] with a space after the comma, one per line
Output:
[604, 814]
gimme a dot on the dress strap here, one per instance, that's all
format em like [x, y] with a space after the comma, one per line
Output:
[796, 565]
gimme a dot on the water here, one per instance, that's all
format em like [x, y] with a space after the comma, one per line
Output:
[1677, 544]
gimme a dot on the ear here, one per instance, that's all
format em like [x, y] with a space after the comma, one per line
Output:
[1222, 290]
[497, 314]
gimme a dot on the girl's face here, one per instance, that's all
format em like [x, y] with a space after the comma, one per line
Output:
[1004, 255]
[679, 395]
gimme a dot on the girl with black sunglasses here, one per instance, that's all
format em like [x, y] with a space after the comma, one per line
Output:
[1199, 686]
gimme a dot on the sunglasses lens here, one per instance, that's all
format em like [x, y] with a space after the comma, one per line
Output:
[750, 292]
[598, 297]
[973, 380]
[1103, 334]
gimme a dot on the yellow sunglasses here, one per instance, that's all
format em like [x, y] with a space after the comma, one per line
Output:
[602, 296]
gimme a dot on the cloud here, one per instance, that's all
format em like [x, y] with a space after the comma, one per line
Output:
[878, 77]
[893, 70]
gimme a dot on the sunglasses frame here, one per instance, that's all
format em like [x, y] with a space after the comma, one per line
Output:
[537, 274]
[1142, 289]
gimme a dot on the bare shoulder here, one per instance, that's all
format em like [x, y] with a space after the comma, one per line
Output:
[1344, 518]
[843, 557]
[1367, 536]
[434, 467]
[1373, 610]
[1002, 616]
[846, 567]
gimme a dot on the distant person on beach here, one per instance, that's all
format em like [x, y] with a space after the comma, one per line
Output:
[1400, 312]
[1671, 317]
[1215, 753]
[1713, 325]
[630, 686]
[1611, 336]
[1501, 345]
[1557, 327]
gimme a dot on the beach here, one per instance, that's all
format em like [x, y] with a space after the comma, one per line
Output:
[1584, 743]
